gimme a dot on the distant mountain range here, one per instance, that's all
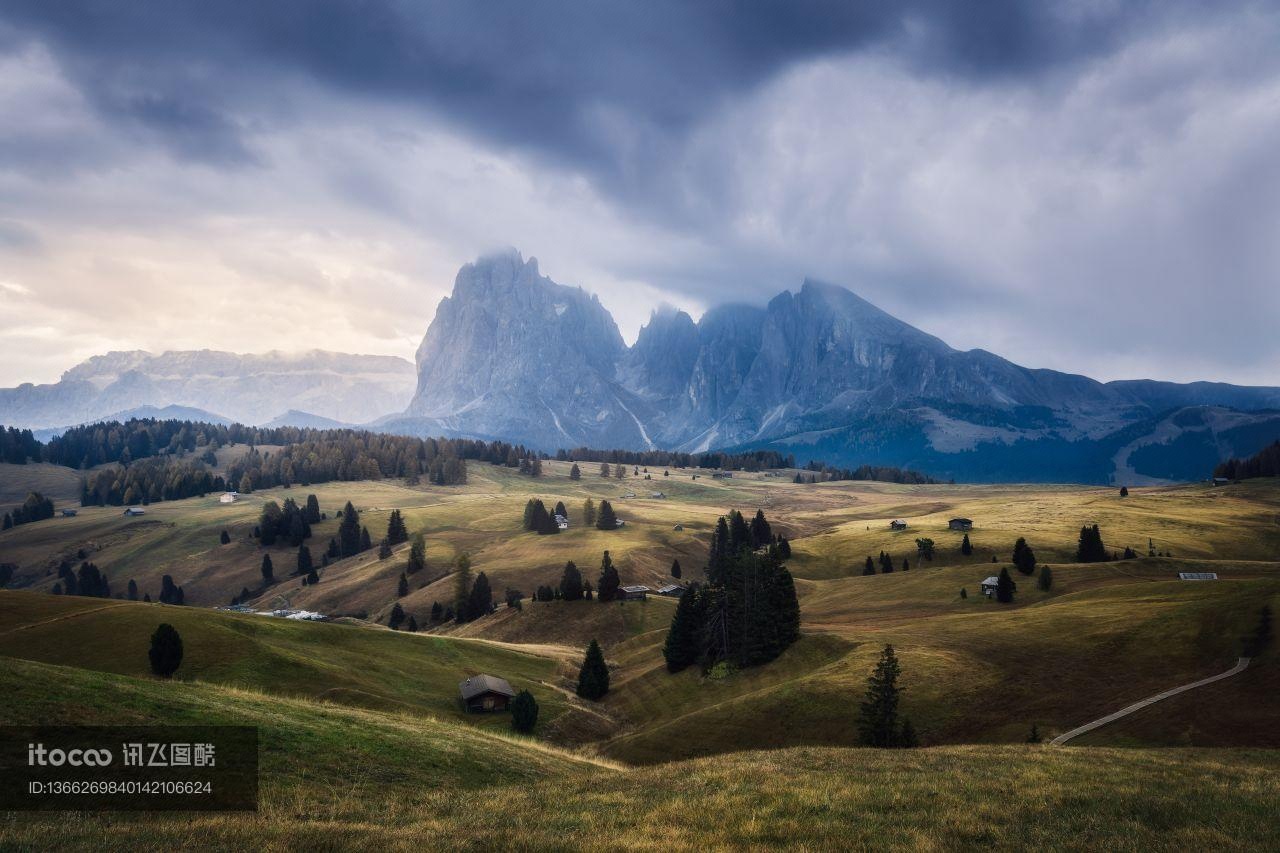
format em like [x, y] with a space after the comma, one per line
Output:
[820, 373]
[251, 389]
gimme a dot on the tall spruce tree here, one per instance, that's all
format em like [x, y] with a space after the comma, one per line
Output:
[481, 599]
[571, 583]
[396, 531]
[1005, 587]
[365, 542]
[349, 532]
[684, 637]
[675, 569]
[1091, 548]
[417, 554]
[575, 473]
[878, 714]
[524, 711]
[607, 586]
[606, 520]
[965, 547]
[1024, 559]
[402, 588]
[588, 513]
[304, 561]
[268, 571]
[593, 676]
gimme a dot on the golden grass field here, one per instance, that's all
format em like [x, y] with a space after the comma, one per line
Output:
[977, 673]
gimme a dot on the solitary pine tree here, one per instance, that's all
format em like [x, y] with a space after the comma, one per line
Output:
[1005, 587]
[417, 554]
[869, 568]
[384, 549]
[571, 583]
[1024, 559]
[593, 677]
[166, 650]
[575, 473]
[133, 590]
[684, 637]
[1124, 491]
[396, 618]
[402, 589]
[524, 711]
[606, 519]
[267, 570]
[304, 560]
[675, 569]
[437, 612]
[605, 470]
[588, 512]
[878, 716]
[965, 547]
[225, 538]
[312, 577]
[1034, 736]
[349, 532]
[607, 586]
[1045, 581]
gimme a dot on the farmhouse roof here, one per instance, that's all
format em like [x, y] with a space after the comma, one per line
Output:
[991, 581]
[640, 588]
[961, 521]
[478, 684]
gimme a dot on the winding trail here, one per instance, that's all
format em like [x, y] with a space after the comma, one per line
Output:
[1240, 666]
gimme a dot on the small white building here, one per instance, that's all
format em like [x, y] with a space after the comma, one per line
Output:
[673, 590]
[1197, 576]
[562, 522]
[229, 497]
[135, 510]
[897, 524]
[989, 586]
[619, 523]
[633, 593]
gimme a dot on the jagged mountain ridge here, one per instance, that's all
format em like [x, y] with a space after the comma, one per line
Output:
[819, 372]
[251, 389]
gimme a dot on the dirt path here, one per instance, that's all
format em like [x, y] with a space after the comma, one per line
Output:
[1240, 666]
[65, 616]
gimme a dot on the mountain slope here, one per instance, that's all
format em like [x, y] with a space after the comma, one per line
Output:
[820, 373]
[251, 389]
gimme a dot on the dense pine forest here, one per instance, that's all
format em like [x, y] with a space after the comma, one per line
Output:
[1264, 463]
[747, 613]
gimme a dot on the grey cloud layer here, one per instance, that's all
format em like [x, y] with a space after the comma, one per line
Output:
[981, 169]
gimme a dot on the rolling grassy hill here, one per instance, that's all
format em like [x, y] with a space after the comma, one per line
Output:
[342, 778]
[975, 671]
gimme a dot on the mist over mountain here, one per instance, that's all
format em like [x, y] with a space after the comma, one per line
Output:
[251, 389]
[820, 373]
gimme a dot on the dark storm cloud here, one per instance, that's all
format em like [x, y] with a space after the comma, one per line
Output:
[545, 76]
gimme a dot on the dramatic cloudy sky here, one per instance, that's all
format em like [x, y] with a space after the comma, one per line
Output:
[1090, 186]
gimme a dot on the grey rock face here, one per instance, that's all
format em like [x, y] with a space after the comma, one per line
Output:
[820, 372]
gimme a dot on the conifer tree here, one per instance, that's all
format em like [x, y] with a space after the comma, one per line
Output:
[268, 570]
[965, 547]
[1260, 641]
[571, 583]
[437, 612]
[396, 618]
[606, 519]
[561, 510]
[684, 637]
[593, 676]
[349, 532]
[1034, 736]
[575, 473]
[225, 538]
[1045, 581]
[402, 589]
[396, 531]
[675, 569]
[605, 471]
[908, 739]
[1091, 548]
[524, 712]
[761, 532]
[588, 513]
[1005, 587]
[312, 578]
[417, 554]
[607, 586]
[312, 514]
[481, 600]
[878, 716]
[384, 549]
[133, 590]
[1024, 559]
[869, 568]
[365, 542]
[527, 523]
[413, 624]
[166, 650]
